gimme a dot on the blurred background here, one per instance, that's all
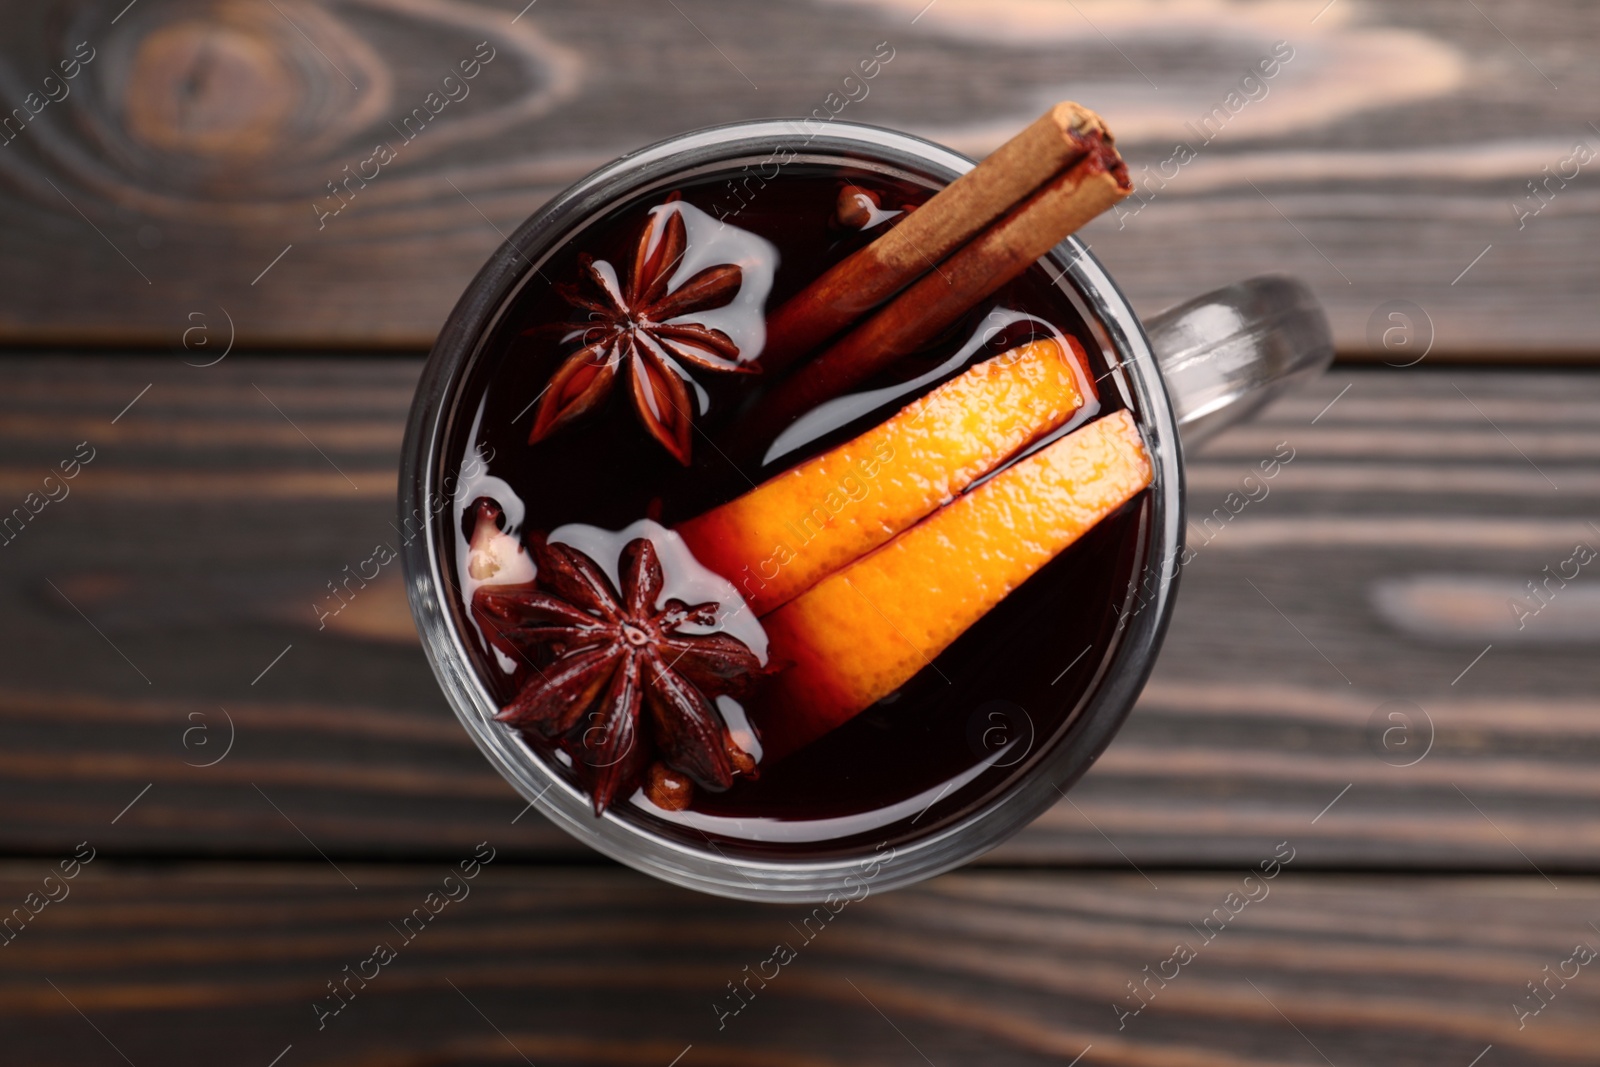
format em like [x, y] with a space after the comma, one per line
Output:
[1384, 666]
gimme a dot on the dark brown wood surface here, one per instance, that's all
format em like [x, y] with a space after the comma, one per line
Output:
[148, 610]
[554, 967]
[1348, 675]
[186, 170]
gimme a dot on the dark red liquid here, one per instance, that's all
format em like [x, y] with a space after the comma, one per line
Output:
[1004, 686]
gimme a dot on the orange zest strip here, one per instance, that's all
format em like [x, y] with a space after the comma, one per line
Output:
[861, 633]
[795, 529]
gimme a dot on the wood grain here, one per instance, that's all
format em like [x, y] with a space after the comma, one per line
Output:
[197, 542]
[166, 694]
[223, 965]
[1384, 161]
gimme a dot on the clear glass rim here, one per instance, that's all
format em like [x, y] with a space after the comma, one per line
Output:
[454, 354]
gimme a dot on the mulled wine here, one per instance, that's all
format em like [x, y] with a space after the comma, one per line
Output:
[695, 578]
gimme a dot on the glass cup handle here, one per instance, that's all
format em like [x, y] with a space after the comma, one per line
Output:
[1226, 354]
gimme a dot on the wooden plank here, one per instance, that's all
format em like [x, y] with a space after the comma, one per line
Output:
[184, 181]
[224, 964]
[1287, 653]
[206, 528]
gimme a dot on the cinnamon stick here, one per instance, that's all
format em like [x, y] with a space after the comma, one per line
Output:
[995, 257]
[1055, 142]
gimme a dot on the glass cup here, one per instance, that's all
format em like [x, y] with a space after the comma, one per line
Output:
[1185, 373]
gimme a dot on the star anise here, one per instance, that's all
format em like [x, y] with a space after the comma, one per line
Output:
[612, 655]
[628, 332]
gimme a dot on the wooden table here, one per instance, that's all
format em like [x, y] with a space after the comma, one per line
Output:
[1345, 680]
